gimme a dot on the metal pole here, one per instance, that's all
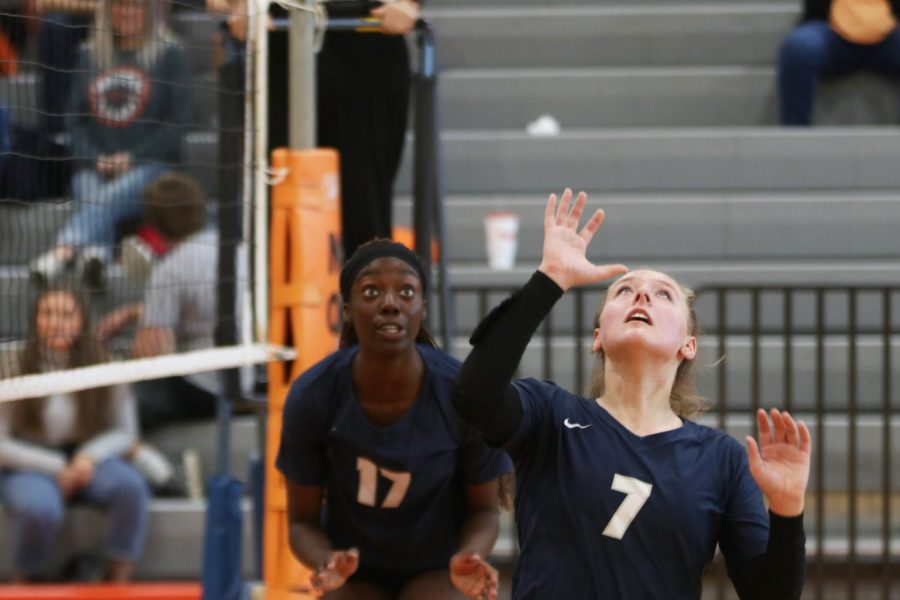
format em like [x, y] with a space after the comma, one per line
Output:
[423, 175]
[302, 85]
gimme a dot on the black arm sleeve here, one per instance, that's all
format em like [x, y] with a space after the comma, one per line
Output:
[777, 574]
[482, 393]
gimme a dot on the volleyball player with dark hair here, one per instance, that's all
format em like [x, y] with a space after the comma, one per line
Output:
[390, 494]
[619, 495]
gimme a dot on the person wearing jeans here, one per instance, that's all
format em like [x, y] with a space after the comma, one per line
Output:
[128, 110]
[835, 37]
[106, 202]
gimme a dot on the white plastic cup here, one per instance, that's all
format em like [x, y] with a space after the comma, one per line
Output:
[501, 236]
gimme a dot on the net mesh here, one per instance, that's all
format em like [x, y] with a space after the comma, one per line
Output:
[124, 177]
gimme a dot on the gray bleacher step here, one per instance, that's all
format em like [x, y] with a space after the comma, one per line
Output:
[174, 547]
[713, 272]
[624, 35]
[564, 367]
[695, 159]
[650, 97]
[838, 225]
[202, 437]
[29, 228]
[703, 277]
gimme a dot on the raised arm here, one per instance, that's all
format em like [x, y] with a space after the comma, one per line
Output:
[779, 463]
[483, 395]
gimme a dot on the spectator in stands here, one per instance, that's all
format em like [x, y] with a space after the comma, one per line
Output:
[835, 37]
[127, 115]
[69, 447]
[620, 495]
[411, 493]
[178, 311]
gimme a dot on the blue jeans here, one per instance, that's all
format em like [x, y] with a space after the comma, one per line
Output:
[37, 507]
[813, 50]
[104, 203]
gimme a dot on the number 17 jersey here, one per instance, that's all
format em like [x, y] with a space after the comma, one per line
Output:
[396, 493]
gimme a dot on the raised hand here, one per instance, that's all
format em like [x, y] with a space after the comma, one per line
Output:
[340, 566]
[473, 576]
[780, 462]
[564, 258]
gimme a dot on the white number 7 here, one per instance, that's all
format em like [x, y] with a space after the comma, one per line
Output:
[368, 484]
[637, 493]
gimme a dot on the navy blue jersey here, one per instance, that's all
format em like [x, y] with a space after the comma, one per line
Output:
[394, 492]
[624, 516]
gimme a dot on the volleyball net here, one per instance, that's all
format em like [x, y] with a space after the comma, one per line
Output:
[129, 165]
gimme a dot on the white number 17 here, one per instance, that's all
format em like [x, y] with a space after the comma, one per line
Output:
[368, 484]
[637, 494]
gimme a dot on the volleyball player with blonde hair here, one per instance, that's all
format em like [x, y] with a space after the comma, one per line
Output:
[621, 495]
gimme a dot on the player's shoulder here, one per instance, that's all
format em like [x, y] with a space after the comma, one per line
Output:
[546, 398]
[317, 383]
[722, 442]
[545, 390]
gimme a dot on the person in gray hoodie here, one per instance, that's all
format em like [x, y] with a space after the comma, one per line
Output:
[69, 447]
[127, 115]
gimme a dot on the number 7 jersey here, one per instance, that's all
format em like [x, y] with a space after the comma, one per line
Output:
[396, 493]
[604, 513]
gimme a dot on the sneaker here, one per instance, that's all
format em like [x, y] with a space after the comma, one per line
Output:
[93, 269]
[176, 486]
[47, 267]
[86, 567]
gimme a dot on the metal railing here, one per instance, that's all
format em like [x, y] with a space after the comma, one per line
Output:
[827, 354]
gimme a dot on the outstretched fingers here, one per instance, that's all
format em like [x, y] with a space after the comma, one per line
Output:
[791, 432]
[592, 226]
[805, 438]
[577, 209]
[563, 211]
[550, 212]
[754, 458]
[765, 430]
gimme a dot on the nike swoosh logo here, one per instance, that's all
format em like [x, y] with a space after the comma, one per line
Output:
[572, 425]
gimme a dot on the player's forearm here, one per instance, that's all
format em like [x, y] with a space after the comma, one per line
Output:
[778, 574]
[309, 544]
[482, 394]
[479, 532]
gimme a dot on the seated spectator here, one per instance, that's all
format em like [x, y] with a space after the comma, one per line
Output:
[835, 37]
[127, 113]
[178, 312]
[69, 447]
